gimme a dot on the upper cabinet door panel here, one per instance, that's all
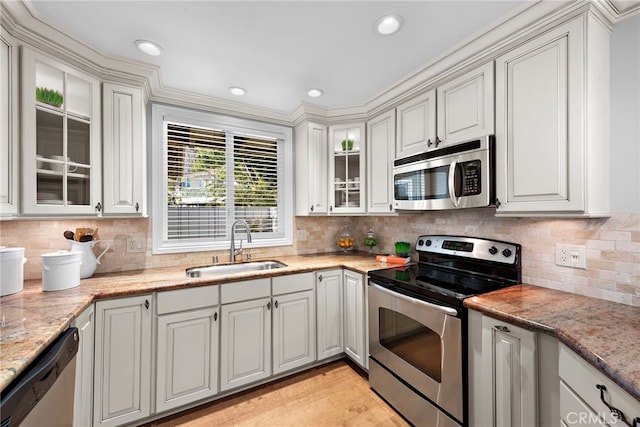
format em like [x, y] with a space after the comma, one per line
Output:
[416, 124]
[540, 141]
[9, 144]
[61, 138]
[124, 149]
[465, 106]
[381, 132]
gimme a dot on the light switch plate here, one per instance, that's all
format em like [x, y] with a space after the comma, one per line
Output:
[571, 255]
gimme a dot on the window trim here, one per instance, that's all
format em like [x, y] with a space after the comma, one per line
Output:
[158, 176]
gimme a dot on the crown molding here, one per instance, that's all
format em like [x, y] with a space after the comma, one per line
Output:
[21, 21]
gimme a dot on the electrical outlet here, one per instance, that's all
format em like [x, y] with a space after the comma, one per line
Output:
[135, 244]
[571, 256]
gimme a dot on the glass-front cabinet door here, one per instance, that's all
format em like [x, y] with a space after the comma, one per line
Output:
[60, 137]
[347, 168]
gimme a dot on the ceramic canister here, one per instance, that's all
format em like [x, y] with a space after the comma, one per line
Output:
[11, 270]
[60, 270]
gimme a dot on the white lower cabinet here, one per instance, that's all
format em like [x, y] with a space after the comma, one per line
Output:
[245, 341]
[510, 366]
[187, 346]
[294, 322]
[82, 400]
[512, 376]
[581, 394]
[122, 369]
[355, 343]
[329, 296]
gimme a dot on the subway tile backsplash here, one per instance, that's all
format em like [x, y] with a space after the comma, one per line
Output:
[613, 244]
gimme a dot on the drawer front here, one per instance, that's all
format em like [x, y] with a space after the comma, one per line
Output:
[583, 379]
[243, 291]
[292, 283]
[574, 411]
[187, 299]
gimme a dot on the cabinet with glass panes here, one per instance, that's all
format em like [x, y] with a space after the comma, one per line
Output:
[60, 138]
[347, 168]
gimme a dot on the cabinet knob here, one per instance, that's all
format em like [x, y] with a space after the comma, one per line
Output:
[320, 278]
[331, 208]
[146, 304]
[137, 207]
[215, 316]
[438, 141]
[502, 328]
[429, 143]
[269, 305]
[99, 207]
[275, 304]
[311, 208]
[498, 203]
[390, 207]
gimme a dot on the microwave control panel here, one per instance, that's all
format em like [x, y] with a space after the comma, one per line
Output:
[471, 178]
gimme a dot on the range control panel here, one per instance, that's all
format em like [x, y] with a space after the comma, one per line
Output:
[470, 247]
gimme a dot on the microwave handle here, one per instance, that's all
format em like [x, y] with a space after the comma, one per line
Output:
[452, 184]
[446, 310]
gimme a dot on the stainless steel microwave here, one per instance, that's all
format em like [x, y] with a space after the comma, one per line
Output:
[454, 177]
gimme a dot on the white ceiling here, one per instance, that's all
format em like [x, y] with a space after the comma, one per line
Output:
[277, 50]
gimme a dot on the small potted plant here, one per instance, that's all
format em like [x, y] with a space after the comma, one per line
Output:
[49, 96]
[347, 144]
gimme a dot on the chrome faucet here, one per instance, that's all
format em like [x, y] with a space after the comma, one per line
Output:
[233, 251]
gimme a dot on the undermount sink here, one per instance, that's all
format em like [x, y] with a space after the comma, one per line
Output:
[244, 267]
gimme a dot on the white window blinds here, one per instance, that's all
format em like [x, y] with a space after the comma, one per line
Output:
[215, 177]
[209, 170]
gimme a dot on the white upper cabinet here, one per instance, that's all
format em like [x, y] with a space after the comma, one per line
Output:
[465, 106]
[347, 184]
[61, 144]
[381, 133]
[123, 149]
[416, 129]
[9, 147]
[455, 111]
[552, 123]
[311, 168]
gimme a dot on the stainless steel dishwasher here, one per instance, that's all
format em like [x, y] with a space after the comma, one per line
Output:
[43, 394]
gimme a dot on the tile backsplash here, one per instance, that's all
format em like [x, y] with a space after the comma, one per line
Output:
[613, 244]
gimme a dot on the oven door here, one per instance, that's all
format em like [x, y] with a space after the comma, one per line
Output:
[420, 342]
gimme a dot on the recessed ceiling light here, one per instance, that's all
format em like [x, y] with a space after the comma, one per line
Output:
[237, 91]
[150, 48]
[314, 93]
[388, 24]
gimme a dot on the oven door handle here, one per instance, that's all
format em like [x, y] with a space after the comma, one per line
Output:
[452, 184]
[446, 310]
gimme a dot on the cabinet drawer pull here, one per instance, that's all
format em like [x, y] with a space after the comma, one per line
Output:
[615, 411]
[502, 328]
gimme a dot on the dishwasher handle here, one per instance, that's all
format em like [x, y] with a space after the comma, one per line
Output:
[29, 388]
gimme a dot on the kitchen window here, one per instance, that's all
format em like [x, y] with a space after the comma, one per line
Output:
[209, 170]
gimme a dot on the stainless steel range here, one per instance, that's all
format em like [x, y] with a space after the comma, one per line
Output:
[418, 325]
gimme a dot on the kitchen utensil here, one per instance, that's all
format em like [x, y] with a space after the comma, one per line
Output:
[11, 270]
[60, 270]
[68, 234]
[89, 261]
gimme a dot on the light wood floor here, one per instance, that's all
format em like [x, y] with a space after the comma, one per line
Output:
[332, 395]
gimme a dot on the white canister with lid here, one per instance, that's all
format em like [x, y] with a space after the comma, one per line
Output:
[60, 270]
[11, 270]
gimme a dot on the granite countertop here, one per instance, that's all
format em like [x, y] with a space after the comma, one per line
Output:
[32, 319]
[604, 333]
